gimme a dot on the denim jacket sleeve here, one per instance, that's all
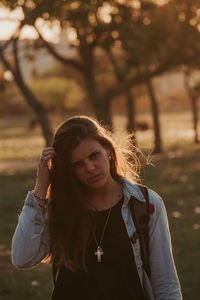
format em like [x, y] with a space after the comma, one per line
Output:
[30, 244]
[164, 279]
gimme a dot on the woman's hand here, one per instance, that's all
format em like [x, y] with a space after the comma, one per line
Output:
[43, 172]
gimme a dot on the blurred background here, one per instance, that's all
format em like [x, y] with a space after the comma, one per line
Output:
[132, 64]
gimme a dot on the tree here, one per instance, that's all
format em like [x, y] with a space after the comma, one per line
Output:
[193, 94]
[30, 98]
[161, 39]
[187, 34]
[143, 44]
[120, 73]
[152, 38]
[92, 26]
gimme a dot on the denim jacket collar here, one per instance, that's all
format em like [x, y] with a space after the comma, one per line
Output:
[131, 189]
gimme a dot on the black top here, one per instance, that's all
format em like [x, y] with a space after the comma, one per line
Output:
[116, 277]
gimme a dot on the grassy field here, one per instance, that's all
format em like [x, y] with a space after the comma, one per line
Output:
[175, 176]
[33, 284]
[177, 181]
[17, 141]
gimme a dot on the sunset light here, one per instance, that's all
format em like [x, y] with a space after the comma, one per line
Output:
[9, 21]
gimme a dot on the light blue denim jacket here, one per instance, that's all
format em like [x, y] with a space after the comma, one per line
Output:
[31, 243]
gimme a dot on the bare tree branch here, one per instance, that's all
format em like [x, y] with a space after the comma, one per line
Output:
[29, 96]
[117, 70]
[6, 63]
[135, 80]
[58, 56]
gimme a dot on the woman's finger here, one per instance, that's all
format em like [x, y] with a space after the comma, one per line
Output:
[46, 151]
[46, 157]
[48, 148]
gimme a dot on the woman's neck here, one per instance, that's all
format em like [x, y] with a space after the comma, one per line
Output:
[107, 196]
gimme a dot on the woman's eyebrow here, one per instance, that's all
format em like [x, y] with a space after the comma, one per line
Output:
[76, 161]
[92, 152]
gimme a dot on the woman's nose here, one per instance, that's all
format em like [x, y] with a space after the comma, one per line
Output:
[89, 166]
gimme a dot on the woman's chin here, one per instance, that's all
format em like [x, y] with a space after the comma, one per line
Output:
[97, 184]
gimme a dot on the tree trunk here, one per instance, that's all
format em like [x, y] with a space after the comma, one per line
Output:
[157, 137]
[30, 98]
[101, 106]
[104, 114]
[193, 101]
[129, 97]
[38, 109]
[102, 110]
[131, 115]
[195, 118]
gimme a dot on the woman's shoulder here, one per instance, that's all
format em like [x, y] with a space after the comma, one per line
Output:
[154, 197]
[134, 189]
[156, 201]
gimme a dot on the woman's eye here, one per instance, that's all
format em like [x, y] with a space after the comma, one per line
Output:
[94, 155]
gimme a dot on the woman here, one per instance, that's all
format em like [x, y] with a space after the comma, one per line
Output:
[86, 227]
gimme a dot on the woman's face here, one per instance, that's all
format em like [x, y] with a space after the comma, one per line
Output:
[91, 164]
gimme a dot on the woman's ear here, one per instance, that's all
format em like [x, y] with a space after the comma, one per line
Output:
[110, 156]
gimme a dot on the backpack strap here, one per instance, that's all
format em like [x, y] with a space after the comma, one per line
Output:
[55, 271]
[140, 215]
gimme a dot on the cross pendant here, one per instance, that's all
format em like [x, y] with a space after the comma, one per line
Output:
[99, 253]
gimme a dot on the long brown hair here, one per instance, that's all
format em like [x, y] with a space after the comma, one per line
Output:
[70, 223]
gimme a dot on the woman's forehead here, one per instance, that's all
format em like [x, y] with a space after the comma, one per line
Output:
[85, 148]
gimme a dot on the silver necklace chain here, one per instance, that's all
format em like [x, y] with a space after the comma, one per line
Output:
[104, 228]
[99, 251]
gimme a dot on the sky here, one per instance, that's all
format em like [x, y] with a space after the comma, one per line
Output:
[9, 22]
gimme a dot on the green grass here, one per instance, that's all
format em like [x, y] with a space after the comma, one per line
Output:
[177, 181]
[35, 283]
